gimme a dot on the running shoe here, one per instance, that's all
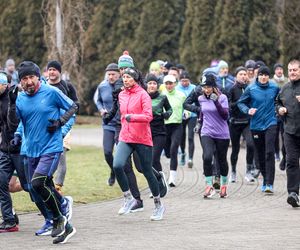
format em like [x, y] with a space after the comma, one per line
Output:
[158, 212]
[8, 227]
[137, 207]
[269, 189]
[111, 180]
[190, 163]
[59, 226]
[182, 159]
[232, 177]
[263, 188]
[209, 192]
[293, 199]
[15, 216]
[255, 173]
[163, 186]
[70, 231]
[249, 177]
[46, 229]
[216, 183]
[223, 192]
[67, 207]
[127, 205]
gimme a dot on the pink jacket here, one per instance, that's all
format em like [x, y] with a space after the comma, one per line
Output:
[137, 103]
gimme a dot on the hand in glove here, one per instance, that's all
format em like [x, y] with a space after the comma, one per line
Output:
[13, 94]
[213, 97]
[127, 117]
[17, 141]
[55, 124]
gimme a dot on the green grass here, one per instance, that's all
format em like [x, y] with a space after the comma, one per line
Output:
[87, 174]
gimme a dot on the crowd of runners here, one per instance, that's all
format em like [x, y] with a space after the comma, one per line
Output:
[146, 116]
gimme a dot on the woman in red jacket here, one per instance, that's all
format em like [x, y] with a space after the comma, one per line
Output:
[135, 135]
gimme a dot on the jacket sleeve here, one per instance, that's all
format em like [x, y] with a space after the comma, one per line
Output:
[168, 109]
[191, 102]
[146, 115]
[99, 102]
[244, 100]
[12, 119]
[278, 101]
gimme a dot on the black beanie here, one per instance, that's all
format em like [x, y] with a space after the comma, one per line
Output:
[54, 64]
[26, 68]
[112, 67]
[264, 70]
[151, 77]
[132, 72]
[259, 64]
[240, 68]
[277, 65]
[208, 80]
[184, 75]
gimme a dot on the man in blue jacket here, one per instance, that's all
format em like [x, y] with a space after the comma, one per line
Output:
[258, 101]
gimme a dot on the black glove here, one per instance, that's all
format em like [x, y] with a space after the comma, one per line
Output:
[17, 141]
[55, 124]
[106, 118]
[13, 94]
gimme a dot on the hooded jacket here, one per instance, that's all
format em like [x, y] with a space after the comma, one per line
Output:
[135, 102]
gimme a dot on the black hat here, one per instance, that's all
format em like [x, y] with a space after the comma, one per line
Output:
[240, 68]
[112, 67]
[180, 66]
[168, 65]
[184, 75]
[258, 64]
[264, 70]
[208, 80]
[250, 64]
[277, 65]
[54, 64]
[151, 77]
[132, 72]
[26, 68]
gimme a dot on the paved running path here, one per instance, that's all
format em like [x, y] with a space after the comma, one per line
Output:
[247, 219]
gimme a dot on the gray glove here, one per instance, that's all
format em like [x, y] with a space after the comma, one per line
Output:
[213, 97]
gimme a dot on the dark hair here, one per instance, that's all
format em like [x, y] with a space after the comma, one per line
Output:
[174, 68]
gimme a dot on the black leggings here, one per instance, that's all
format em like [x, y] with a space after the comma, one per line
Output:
[264, 142]
[190, 123]
[209, 146]
[236, 130]
[108, 146]
[174, 132]
[159, 142]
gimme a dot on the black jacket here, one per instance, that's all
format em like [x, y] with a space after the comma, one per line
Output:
[8, 124]
[191, 103]
[236, 116]
[287, 98]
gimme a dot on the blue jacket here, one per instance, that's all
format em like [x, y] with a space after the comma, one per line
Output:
[105, 101]
[225, 84]
[262, 97]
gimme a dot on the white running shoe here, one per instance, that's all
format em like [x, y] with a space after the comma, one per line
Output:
[129, 202]
[158, 212]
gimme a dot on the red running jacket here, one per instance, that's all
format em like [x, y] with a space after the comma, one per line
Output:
[137, 103]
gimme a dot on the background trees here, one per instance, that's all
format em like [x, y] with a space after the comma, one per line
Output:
[190, 32]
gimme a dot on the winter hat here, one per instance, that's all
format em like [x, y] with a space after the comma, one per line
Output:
[9, 62]
[208, 80]
[154, 66]
[168, 65]
[54, 64]
[264, 70]
[161, 63]
[180, 66]
[250, 64]
[125, 61]
[240, 68]
[169, 78]
[184, 75]
[151, 77]
[132, 72]
[112, 67]
[277, 65]
[222, 64]
[3, 78]
[26, 68]
[258, 64]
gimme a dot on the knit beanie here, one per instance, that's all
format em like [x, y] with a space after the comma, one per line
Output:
[3, 78]
[54, 64]
[277, 65]
[9, 62]
[112, 67]
[222, 64]
[240, 68]
[26, 68]
[264, 70]
[208, 80]
[258, 64]
[125, 61]
[151, 77]
[184, 75]
[154, 66]
[132, 72]
[250, 64]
